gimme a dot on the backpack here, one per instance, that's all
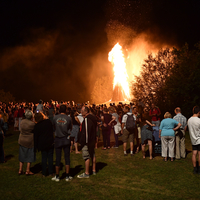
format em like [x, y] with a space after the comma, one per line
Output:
[130, 123]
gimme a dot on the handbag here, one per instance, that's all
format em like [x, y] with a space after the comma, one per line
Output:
[113, 123]
[149, 128]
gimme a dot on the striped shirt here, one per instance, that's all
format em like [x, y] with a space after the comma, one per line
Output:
[181, 119]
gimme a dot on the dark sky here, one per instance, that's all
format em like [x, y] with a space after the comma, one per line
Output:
[57, 49]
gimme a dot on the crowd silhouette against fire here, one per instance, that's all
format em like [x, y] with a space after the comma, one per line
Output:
[52, 127]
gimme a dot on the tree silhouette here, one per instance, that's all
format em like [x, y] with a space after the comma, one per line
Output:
[183, 85]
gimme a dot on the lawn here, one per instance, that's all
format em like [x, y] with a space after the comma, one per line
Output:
[118, 177]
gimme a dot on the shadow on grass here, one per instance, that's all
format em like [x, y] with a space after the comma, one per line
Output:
[8, 157]
[100, 166]
[73, 171]
[187, 152]
[36, 168]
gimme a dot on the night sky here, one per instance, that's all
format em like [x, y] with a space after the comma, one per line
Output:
[57, 49]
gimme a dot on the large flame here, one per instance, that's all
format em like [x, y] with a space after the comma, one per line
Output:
[116, 57]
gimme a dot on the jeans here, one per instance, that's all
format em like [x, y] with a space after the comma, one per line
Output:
[47, 155]
[106, 137]
[157, 123]
[66, 150]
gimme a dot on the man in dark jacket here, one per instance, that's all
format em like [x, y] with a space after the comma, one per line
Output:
[87, 140]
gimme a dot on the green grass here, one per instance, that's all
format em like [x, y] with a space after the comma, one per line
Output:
[118, 177]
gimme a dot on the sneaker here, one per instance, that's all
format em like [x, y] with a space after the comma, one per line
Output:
[68, 178]
[125, 154]
[94, 173]
[131, 154]
[83, 175]
[55, 179]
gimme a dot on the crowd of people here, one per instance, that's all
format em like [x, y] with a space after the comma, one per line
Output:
[58, 126]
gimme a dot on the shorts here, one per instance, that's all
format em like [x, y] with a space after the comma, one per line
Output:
[127, 135]
[74, 132]
[196, 147]
[88, 152]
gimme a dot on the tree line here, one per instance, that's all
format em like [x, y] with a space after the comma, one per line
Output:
[170, 79]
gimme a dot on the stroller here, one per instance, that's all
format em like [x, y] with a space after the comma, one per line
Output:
[156, 140]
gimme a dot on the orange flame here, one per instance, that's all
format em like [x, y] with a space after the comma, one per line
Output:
[116, 57]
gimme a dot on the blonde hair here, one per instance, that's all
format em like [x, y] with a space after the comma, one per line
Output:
[167, 115]
[112, 109]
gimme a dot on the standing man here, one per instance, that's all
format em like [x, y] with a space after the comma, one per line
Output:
[128, 134]
[180, 134]
[87, 140]
[194, 131]
[62, 124]
[154, 113]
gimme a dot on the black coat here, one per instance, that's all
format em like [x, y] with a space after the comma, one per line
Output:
[43, 135]
[91, 130]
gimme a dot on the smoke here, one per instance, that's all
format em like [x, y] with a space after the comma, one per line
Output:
[52, 65]
[61, 58]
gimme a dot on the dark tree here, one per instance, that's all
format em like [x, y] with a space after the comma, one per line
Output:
[182, 87]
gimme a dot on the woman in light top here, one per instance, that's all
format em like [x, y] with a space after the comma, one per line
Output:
[167, 130]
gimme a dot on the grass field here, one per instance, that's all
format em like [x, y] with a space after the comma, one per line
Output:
[118, 177]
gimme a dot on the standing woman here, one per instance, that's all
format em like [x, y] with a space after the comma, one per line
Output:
[117, 127]
[167, 130]
[74, 131]
[106, 119]
[147, 137]
[44, 140]
[26, 143]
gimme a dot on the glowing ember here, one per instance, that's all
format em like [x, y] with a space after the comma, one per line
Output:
[116, 57]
